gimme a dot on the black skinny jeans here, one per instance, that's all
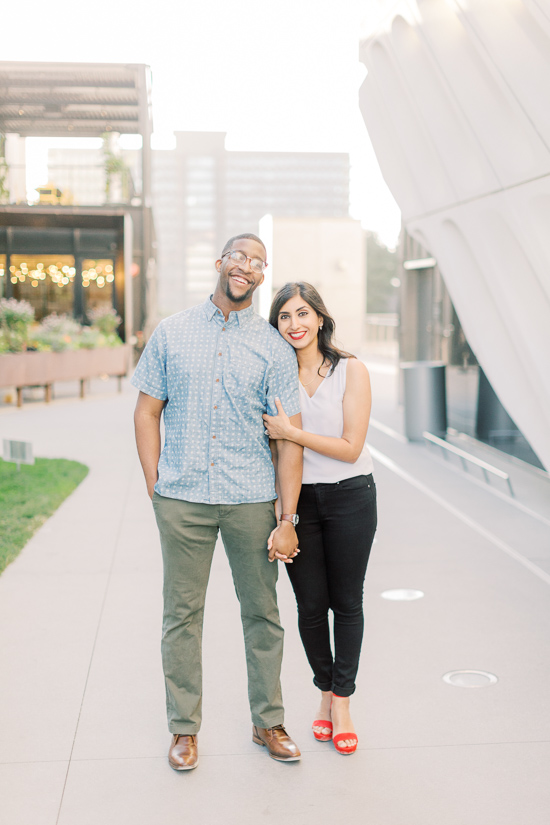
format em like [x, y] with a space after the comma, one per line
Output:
[335, 531]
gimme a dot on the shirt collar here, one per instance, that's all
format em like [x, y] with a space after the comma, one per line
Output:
[243, 316]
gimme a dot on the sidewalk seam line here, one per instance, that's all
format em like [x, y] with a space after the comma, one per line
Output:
[488, 489]
[464, 474]
[478, 528]
[100, 617]
[316, 751]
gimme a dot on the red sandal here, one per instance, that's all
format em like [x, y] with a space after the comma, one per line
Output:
[345, 749]
[322, 723]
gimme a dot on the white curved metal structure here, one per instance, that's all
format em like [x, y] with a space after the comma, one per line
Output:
[457, 104]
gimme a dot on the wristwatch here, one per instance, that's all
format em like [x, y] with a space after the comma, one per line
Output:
[293, 517]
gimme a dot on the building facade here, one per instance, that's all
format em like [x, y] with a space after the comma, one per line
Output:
[86, 239]
[204, 193]
[456, 104]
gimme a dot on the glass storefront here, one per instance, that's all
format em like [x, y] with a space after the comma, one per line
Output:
[45, 281]
[63, 268]
[2, 276]
[98, 277]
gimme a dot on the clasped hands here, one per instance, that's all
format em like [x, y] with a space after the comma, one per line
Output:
[282, 543]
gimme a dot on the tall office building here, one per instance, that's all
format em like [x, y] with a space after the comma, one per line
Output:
[204, 193]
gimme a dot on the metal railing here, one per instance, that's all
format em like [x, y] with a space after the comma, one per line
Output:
[466, 458]
[381, 333]
[70, 184]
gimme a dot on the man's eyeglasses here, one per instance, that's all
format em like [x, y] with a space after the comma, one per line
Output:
[256, 264]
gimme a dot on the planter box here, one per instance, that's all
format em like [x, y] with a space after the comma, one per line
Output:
[26, 369]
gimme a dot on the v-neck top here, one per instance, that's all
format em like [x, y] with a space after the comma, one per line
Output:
[323, 414]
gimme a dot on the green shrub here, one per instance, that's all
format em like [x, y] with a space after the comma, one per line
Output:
[105, 319]
[90, 338]
[15, 320]
[57, 333]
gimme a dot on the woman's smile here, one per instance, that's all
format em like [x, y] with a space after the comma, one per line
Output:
[298, 323]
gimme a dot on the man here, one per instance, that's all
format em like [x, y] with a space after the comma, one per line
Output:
[214, 370]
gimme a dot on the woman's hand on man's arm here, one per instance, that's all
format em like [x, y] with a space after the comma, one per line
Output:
[356, 408]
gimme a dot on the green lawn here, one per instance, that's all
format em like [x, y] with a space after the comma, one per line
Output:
[30, 496]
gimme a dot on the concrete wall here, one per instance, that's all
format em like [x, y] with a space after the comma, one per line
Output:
[329, 253]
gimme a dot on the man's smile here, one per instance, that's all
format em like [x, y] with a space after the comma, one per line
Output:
[240, 280]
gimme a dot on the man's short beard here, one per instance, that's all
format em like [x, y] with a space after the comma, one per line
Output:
[237, 299]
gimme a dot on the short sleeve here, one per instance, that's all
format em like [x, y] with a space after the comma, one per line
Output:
[150, 374]
[282, 380]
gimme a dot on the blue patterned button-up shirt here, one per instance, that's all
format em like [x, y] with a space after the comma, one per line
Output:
[218, 378]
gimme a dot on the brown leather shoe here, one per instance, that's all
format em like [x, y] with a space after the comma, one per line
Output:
[278, 743]
[183, 754]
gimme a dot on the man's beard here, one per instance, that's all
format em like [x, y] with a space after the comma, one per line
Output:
[238, 299]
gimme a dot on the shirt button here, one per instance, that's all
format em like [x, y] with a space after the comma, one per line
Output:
[223, 329]
[213, 436]
[215, 406]
[217, 380]
[219, 353]
[212, 464]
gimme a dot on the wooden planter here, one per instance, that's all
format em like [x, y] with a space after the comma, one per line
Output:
[31, 369]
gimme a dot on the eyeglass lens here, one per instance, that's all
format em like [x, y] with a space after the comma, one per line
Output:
[255, 263]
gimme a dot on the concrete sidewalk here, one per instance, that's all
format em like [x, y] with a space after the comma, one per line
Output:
[83, 733]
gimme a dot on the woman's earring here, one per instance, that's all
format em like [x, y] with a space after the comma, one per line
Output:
[320, 326]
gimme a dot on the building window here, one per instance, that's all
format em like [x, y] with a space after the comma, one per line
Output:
[45, 281]
[98, 277]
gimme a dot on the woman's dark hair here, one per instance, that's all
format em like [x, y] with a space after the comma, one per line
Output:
[309, 294]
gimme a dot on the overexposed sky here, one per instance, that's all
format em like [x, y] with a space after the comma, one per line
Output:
[280, 76]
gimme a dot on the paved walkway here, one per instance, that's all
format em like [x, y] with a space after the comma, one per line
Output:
[83, 737]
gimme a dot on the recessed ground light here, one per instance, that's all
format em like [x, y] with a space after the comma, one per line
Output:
[470, 678]
[402, 595]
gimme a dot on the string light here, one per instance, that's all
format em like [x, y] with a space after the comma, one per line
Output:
[61, 274]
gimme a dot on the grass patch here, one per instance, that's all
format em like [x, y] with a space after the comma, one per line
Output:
[30, 496]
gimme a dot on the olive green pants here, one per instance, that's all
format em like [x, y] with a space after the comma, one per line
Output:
[188, 534]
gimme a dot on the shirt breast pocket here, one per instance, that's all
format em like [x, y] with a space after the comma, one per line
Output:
[245, 378]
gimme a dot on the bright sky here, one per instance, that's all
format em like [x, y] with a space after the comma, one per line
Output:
[280, 76]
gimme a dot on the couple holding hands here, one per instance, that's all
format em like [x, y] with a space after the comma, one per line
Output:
[265, 427]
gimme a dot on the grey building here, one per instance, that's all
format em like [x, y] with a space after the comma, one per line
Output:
[430, 330]
[203, 194]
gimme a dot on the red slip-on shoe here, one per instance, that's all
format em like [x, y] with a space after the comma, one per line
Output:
[345, 749]
[322, 723]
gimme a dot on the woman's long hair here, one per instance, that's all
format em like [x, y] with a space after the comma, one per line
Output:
[309, 294]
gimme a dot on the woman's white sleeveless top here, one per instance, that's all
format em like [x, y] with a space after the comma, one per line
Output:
[323, 414]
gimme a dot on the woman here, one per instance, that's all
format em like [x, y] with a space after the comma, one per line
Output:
[337, 505]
